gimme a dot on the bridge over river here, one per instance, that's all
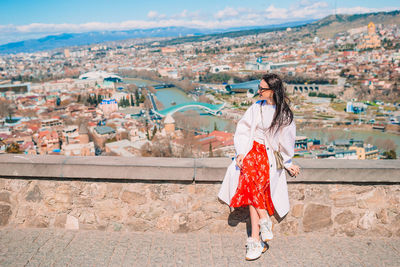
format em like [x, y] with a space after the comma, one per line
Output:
[210, 108]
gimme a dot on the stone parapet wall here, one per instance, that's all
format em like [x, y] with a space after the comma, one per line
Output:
[335, 197]
[333, 209]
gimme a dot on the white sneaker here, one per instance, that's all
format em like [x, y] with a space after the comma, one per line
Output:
[266, 230]
[254, 249]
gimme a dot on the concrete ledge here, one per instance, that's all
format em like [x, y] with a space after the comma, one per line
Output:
[158, 169]
[188, 169]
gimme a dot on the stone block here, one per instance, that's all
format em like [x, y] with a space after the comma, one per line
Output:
[35, 195]
[5, 197]
[5, 213]
[296, 194]
[343, 199]
[316, 217]
[380, 230]
[133, 198]
[178, 201]
[345, 217]
[164, 223]
[374, 199]
[383, 216]
[113, 190]
[348, 229]
[71, 223]
[37, 222]
[367, 220]
[138, 225]
[288, 227]
[297, 210]
[60, 220]
[109, 209]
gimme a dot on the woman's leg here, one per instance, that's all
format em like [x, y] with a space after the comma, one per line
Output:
[262, 213]
[255, 227]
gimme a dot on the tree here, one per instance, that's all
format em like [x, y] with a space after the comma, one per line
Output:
[13, 148]
[154, 132]
[132, 102]
[137, 97]
[386, 144]
[215, 127]
[6, 109]
[391, 154]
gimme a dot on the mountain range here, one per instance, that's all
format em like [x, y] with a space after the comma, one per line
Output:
[77, 39]
[326, 27]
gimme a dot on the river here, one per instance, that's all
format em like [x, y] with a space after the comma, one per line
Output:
[169, 95]
[327, 134]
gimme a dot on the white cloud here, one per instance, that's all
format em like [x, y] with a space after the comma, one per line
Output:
[311, 10]
[152, 14]
[226, 13]
[276, 13]
[360, 10]
[155, 15]
[225, 18]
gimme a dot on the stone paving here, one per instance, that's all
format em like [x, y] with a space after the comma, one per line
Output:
[55, 247]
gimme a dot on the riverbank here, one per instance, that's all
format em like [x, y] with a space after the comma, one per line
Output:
[368, 135]
[175, 96]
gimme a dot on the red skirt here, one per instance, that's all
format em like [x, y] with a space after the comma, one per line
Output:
[253, 188]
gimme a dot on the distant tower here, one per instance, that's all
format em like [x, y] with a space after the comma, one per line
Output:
[169, 124]
[371, 28]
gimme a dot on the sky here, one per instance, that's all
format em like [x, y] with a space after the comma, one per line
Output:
[27, 19]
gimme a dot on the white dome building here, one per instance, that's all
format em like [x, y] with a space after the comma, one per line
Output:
[100, 75]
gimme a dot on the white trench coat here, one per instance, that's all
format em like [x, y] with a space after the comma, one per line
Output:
[243, 141]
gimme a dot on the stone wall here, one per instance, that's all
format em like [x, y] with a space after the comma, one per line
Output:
[334, 209]
[335, 197]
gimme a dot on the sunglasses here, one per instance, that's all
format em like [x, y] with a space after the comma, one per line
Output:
[263, 89]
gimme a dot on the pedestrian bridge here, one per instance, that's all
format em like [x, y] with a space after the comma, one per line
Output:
[210, 108]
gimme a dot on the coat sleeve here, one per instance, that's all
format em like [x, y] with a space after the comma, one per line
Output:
[242, 133]
[287, 140]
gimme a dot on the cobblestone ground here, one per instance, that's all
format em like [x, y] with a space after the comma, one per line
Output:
[44, 247]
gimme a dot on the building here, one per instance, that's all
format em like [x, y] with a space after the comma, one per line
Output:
[108, 106]
[304, 88]
[346, 154]
[79, 149]
[67, 53]
[48, 141]
[16, 88]
[356, 107]
[101, 134]
[100, 75]
[301, 142]
[123, 148]
[169, 124]
[221, 68]
[371, 40]
[366, 152]
[51, 123]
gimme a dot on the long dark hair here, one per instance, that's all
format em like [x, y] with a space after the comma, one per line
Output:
[283, 114]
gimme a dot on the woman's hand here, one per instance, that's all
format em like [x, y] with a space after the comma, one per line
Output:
[294, 170]
[239, 160]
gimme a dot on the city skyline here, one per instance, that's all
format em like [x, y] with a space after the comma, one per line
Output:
[22, 20]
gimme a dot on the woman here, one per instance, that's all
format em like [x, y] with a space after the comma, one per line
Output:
[255, 181]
